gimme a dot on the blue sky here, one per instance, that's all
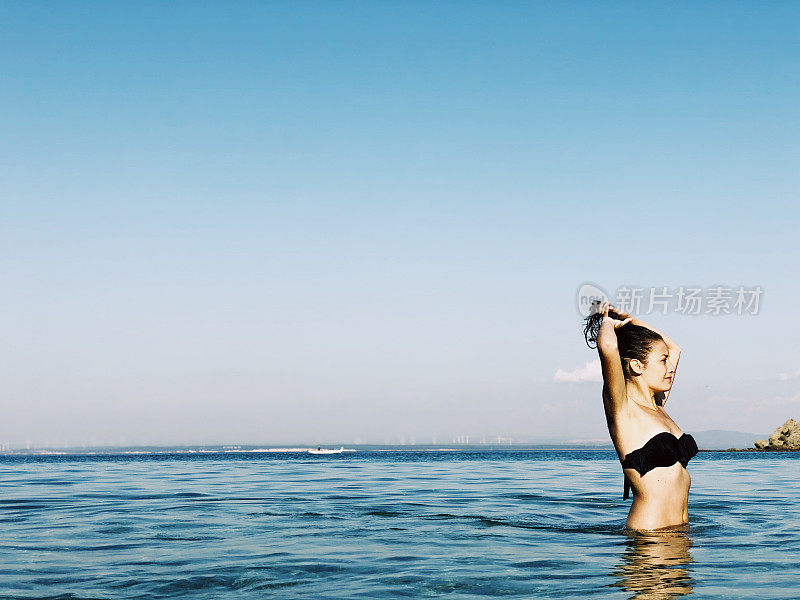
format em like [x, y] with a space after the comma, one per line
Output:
[322, 222]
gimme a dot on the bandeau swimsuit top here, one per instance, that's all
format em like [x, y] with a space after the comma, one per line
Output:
[662, 450]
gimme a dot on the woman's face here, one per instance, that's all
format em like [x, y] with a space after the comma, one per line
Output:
[659, 371]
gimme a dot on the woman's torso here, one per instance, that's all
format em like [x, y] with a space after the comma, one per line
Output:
[661, 496]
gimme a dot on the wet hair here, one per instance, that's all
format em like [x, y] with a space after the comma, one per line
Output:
[635, 342]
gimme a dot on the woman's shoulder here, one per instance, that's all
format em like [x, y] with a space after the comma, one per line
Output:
[634, 427]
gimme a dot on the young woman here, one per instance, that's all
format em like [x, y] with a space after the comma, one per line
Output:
[638, 364]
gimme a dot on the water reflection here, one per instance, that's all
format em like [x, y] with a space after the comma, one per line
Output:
[655, 564]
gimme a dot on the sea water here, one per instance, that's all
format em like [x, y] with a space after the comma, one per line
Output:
[389, 524]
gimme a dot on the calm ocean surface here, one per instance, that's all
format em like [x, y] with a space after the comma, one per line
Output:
[399, 524]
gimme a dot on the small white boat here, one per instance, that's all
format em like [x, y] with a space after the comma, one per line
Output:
[320, 450]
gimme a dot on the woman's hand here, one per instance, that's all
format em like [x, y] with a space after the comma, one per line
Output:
[619, 314]
[624, 317]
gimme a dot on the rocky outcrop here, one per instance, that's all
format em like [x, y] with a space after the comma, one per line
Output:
[785, 437]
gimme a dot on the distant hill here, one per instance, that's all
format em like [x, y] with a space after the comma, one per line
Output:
[721, 439]
[711, 439]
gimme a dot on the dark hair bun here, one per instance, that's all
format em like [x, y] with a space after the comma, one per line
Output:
[633, 341]
[592, 326]
[592, 329]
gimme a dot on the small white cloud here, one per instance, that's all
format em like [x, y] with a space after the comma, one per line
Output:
[788, 376]
[591, 372]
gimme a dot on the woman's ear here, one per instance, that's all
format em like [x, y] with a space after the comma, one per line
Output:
[636, 366]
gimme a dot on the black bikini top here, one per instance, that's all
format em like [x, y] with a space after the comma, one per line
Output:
[662, 450]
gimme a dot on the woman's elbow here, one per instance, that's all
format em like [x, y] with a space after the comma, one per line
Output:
[607, 346]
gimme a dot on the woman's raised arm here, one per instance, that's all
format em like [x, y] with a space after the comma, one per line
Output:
[614, 394]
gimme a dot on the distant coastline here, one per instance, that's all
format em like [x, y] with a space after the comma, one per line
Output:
[716, 440]
[210, 451]
[753, 450]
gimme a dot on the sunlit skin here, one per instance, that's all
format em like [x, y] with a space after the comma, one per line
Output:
[655, 376]
[661, 496]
